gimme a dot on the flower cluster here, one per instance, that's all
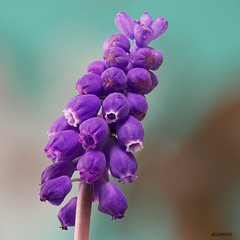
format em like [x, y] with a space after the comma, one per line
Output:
[101, 127]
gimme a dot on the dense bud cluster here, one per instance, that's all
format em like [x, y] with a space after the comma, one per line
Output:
[101, 127]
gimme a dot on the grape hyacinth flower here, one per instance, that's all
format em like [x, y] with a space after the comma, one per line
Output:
[67, 214]
[101, 130]
[112, 201]
[115, 107]
[91, 166]
[55, 190]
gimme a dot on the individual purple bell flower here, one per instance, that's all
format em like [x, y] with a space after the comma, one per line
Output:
[146, 19]
[91, 165]
[90, 83]
[138, 105]
[130, 134]
[112, 201]
[93, 133]
[143, 35]
[57, 169]
[81, 108]
[55, 190]
[117, 40]
[125, 24]
[67, 214]
[115, 107]
[123, 165]
[159, 26]
[96, 67]
[64, 146]
[144, 58]
[158, 56]
[60, 124]
[115, 57]
[114, 80]
[139, 80]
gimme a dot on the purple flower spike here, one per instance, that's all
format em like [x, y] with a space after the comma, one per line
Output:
[115, 57]
[57, 169]
[93, 133]
[159, 26]
[118, 40]
[81, 108]
[60, 124]
[138, 105]
[123, 165]
[143, 35]
[97, 67]
[158, 59]
[91, 166]
[55, 190]
[130, 134]
[64, 146]
[139, 80]
[125, 24]
[146, 19]
[144, 58]
[114, 80]
[90, 83]
[67, 214]
[115, 107]
[112, 201]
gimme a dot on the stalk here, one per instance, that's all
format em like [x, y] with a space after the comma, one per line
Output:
[83, 211]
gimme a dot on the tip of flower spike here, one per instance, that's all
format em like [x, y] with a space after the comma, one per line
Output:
[134, 146]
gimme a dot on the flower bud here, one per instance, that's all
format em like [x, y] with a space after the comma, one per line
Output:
[154, 82]
[60, 124]
[67, 214]
[93, 133]
[123, 165]
[138, 105]
[114, 80]
[144, 58]
[96, 67]
[139, 80]
[112, 201]
[143, 35]
[158, 59]
[81, 108]
[57, 169]
[159, 26]
[115, 57]
[91, 165]
[130, 134]
[146, 19]
[90, 83]
[115, 107]
[125, 24]
[118, 40]
[64, 145]
[55, 190]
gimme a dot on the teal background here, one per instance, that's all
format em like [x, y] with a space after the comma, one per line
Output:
[45, 46]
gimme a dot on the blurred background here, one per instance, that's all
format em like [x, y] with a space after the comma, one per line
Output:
[188, 182]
